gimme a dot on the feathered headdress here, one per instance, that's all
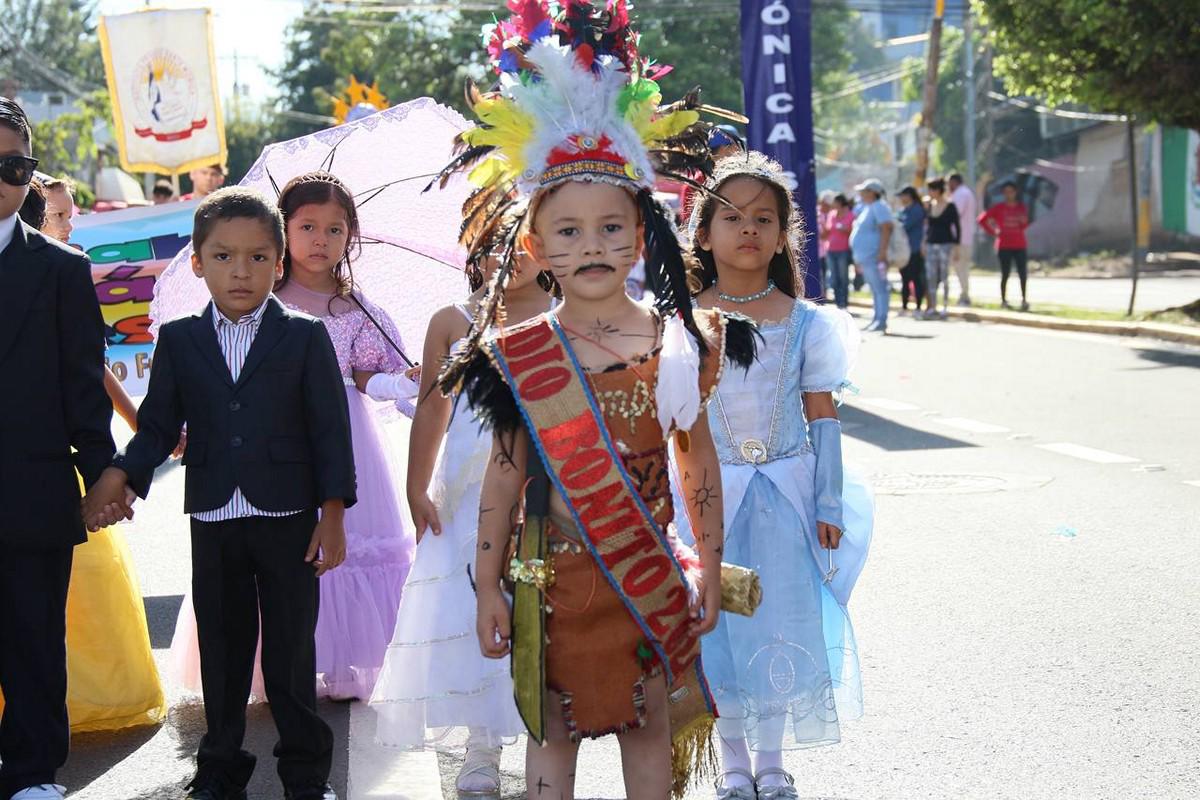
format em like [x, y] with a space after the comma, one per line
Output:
[576, 100]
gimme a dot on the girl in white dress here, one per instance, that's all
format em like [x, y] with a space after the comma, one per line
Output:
[788, 675]
[434, 677]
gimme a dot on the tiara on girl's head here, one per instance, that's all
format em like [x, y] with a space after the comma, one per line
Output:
[753, 164]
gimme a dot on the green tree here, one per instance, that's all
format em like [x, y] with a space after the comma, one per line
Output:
[410, 54]
[703, 44]
[64, 144]
[50, 44]
[245, 138]
[1122, 56]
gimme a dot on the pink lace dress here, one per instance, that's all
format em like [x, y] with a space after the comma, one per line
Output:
[360, 598]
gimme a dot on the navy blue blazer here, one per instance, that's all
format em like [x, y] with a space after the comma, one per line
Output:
[52, 363]
[281, 432]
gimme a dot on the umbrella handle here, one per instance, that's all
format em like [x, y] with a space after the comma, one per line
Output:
[380, 328]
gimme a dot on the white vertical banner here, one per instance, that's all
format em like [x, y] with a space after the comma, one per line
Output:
[162, 78]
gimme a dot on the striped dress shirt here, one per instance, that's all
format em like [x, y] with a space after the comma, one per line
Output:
[235, 339]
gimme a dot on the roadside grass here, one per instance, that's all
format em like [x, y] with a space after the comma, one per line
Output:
[1186, 315]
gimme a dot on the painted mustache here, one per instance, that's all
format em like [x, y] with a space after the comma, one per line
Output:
[593, 266]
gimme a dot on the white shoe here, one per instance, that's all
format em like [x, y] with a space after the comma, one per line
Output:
[745, 791]
[480, 773]
[44, 791]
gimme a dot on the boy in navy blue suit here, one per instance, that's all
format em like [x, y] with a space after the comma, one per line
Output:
[268, 445]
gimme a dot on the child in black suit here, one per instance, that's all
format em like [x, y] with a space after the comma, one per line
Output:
[268, 444]
[52, 360]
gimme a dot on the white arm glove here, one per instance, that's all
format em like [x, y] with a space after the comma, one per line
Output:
[391, 386]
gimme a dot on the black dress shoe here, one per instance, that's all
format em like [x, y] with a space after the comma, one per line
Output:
[214, 791]
[325, 792]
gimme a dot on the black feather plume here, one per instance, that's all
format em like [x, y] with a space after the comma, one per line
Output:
[664, 258]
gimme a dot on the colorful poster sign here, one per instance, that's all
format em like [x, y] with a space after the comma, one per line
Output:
[129, 249]
[162, 79]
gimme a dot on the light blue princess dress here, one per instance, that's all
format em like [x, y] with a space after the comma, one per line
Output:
[793, 666]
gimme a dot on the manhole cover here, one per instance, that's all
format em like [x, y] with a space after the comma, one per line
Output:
[953, 482]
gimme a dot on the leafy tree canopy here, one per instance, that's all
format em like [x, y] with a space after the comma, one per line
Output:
[1122, 56]
[43, 41]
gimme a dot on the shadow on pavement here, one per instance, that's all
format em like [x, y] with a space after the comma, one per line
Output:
[1170, 358]
[187, 720]
[161, 612]
[891, 435]
[94, 754]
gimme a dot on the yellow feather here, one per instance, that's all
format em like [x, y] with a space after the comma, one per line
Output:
[670, 125]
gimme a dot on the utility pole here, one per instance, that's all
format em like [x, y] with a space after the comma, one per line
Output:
[1131, 133]
[933, 53]
[969, 90]
[237, 89]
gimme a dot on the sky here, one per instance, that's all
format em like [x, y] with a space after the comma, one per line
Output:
[252, 30]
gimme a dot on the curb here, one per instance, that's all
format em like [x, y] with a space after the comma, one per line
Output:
[1179, 334]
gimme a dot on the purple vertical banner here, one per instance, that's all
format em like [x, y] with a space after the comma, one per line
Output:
[777, 76]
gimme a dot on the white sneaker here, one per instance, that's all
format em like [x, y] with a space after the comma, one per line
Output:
[44, 791]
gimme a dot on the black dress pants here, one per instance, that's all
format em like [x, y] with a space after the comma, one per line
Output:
[240, 568]
[34, 732]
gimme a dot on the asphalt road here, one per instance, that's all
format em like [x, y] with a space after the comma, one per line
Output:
[1027, 619]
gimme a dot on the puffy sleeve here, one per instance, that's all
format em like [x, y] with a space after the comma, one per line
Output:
[371, 351]
[830, 347]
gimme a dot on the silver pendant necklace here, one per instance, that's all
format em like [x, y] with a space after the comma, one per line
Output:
[748, 298]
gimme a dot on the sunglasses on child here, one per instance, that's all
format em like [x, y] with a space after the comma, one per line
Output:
[17, 170]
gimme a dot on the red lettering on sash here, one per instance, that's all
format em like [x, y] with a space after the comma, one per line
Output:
[598, 505]
[677, 602]
[546, 382]
[525, 342]
[585, 468]
[646, 575]
[643, 542]
[565, 438]
[609, 529]
[518, 365]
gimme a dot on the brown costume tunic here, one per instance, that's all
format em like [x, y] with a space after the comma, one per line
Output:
[597, 658]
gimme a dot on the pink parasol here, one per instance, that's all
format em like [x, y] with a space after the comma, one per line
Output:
[410, 263]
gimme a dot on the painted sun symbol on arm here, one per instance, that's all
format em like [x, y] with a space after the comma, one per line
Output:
[703, 495]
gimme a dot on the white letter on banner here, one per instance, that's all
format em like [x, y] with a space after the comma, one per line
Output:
[780, 103]
[779, 73]
[782, 132]
[777, 44]
[776, 14]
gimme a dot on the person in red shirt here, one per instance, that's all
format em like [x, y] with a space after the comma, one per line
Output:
[1007, 221]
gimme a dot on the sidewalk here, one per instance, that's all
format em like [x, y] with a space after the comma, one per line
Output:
[1156, 290]
[1181, 334]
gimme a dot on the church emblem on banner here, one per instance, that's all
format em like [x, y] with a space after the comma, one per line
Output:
[166, 101]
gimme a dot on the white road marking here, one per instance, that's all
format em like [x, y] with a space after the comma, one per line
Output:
[885, 404]
[381, 772]
[1193, 483]
[1088, 453]
[972, 425]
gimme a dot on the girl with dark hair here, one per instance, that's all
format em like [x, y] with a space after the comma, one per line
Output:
[358, 601]
[434, 677]
[787, 513]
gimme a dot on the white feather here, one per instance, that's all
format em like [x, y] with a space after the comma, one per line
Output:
[677, 393]
[571, 100]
